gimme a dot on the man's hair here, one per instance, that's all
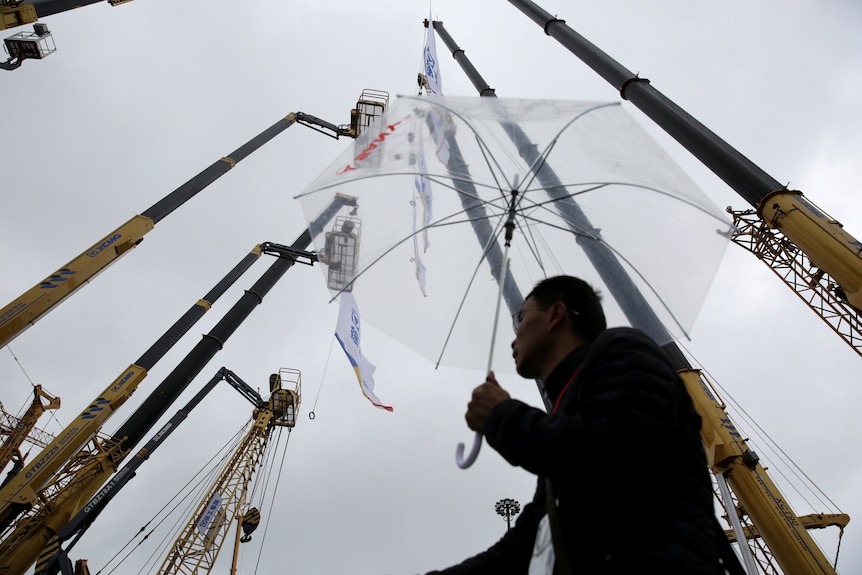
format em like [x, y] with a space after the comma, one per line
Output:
[581, 300]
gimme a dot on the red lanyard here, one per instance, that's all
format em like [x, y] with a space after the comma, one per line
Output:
[564, 390]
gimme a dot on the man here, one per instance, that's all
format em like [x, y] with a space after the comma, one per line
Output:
[619, 457]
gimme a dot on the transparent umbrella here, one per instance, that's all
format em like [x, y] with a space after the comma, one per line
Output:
[467, 202]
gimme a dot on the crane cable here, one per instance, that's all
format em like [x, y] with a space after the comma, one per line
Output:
[782, 456]
[21, 410]
[311, 414]
[193, 486]
[838, 547]
[19, 365]
[772, 445]
[272, 493]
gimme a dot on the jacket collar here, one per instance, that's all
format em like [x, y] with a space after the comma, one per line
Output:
[560, 375]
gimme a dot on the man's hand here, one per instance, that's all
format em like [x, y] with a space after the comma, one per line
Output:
[485, 398]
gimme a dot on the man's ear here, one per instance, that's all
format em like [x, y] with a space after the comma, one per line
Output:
[557, 315]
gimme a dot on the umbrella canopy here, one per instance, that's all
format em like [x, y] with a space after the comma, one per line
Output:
[585, 192]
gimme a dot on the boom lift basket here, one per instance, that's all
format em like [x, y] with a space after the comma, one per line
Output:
[36, 44]
[285, 398]
[371, 105]
[341, 253]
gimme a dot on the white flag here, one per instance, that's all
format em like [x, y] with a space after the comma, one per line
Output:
[348, 333]
[432, 66]
[435, 86]
[421, 196]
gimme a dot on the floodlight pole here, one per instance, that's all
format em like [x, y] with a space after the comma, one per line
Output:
[508, 508]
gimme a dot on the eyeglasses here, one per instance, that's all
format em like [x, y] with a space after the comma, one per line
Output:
[519, 315]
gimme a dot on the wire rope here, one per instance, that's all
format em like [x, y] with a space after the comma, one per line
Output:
[782, 459]
[769, 443]
[186, 494]
[271, 505]
[312, 412]
[21, 410]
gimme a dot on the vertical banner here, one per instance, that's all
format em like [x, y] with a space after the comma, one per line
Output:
[348, 332]
[432, 66]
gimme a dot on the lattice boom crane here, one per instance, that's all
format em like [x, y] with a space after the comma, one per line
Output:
[18, 430]
[198, 547]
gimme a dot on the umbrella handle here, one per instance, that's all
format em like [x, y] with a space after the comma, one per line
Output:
[474, 452]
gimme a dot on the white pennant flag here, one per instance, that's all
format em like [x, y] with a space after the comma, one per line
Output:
[432, 66]
[348, 333]
[435, 86]
[421, 197]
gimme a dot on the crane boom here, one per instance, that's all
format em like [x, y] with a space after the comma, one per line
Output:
[15, 13]
[811, 521]
[41, 298]
[19, 494]
[17, 430]
[728, 454]
[54, 558]
[24, 311]
[800, 273]
[82, 479]
[835, 253]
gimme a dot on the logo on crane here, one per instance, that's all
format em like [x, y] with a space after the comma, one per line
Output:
[104, 245]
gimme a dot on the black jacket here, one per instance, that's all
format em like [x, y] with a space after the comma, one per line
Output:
[624, 454]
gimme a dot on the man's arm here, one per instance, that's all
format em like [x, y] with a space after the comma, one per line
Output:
[625, 389]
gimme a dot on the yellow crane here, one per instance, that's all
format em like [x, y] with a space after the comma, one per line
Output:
[39, 43]
[14, 13]
[39, 501]
[29, 307]
[812, 253]
[730, 460]
[19, 429]
[807, 248]
[54, 558]
[226, 503]
[49, 491]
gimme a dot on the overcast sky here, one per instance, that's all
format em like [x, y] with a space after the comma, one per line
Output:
[141, 97]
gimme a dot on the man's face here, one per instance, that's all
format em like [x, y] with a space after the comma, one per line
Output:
[530, 344]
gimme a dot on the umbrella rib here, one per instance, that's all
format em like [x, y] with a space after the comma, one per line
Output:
[467, 291]
[482, 144]
[446, 221]
[594, 186]
[542, 157]
[529, 239]
[589, 235]
[598, 185]
[586, 234]
[488, 163]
